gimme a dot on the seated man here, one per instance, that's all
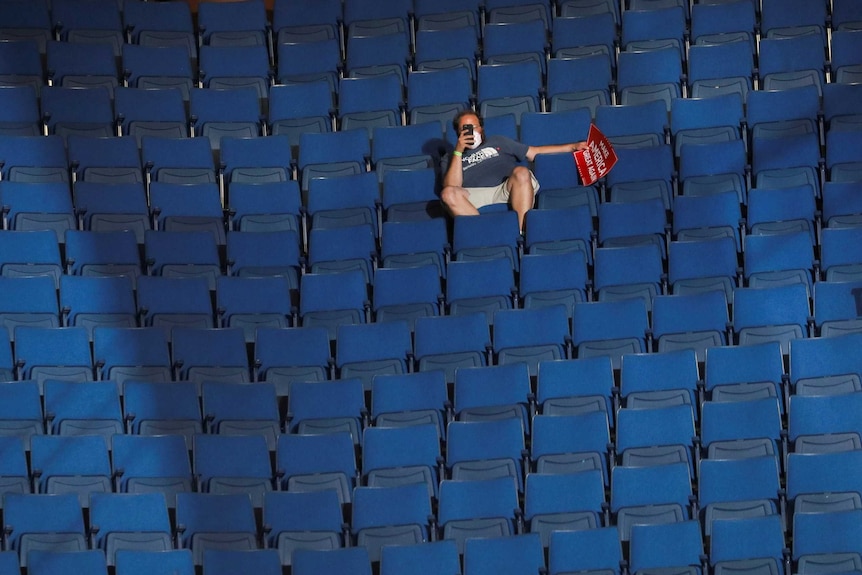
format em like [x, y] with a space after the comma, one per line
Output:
[489, 170]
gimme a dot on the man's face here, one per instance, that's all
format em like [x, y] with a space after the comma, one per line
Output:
[467, 120]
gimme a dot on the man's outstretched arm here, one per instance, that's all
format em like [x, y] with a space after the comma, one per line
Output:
[534, 151]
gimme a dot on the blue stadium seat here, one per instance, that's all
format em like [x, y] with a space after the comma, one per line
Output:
[742, 488]
[635, 508]
[162, 408]
[108, 160]
[416, 398]
[154, 66]
[126, 521]
[250, 303]
[215, 521]
[238, 409]
[209, 355]
[390, 515]
[364, 351]
[573, 387]
[43, 522]
[302, 519]
[292, 354]
[233, 464]
[315, 463]
[78, 465]
[343, 409]
[157, 464]
[239, 24]
[72, 409]
[469, 508]
[746, 372]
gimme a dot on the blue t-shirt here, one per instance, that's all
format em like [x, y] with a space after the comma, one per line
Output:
[492, 162]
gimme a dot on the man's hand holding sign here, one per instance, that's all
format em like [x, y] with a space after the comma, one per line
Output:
[596, 160]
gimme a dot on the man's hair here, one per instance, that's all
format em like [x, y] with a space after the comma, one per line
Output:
[468, 112]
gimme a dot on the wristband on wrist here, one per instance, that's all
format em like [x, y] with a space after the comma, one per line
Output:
[457, 153]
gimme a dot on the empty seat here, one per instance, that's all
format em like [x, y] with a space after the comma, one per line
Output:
[21, 414]
[162, 408]
[155, 66]
[233, 464]
[167, 302]
[230, 67]
[677, 544]
[593, 335]
[37, 206]
[109, 253]
[140, 562]
[343, 410]
[239, 409]
[183, 254]
[302, 519]
[656, 437]
[250, 303]
[78, 111]
[210, 355]
[556, 502]
[85, 21]
[235, 25]
[696, 321]
[731, 429]
[147, 112]
[771, 314]
[591, 549]
[130, 521]
[348, 560]
[650, 380]
[634, 508]
[82, 64]
[316, 463]
[390, 515]
[416, 398]
[468, 508]
[531, 336]
[43, 353]
[331, 299]
[92, 302]
[72, 409]
[357, 357]
[513, 554]
[824, 366]
[43, 522]
[215, 521]
[28, 300]
[404, 455]
[71, 464]
[116, 207]
[224, 113]
[156, 465]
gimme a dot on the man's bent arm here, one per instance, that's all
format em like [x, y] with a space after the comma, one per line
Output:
[454, 175]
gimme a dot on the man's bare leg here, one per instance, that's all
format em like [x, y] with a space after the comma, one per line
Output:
[521, 195]
[457, 201]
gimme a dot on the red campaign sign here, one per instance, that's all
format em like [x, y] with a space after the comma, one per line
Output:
[597, 159]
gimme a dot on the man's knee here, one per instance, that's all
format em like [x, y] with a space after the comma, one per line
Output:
[453, 196]
[522, 175]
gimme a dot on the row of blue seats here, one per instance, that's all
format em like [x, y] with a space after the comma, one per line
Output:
[399, 515]
[282, 357]
[653, 424]
[735, 547]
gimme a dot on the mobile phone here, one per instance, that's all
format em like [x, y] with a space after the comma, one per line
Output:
[468, 129]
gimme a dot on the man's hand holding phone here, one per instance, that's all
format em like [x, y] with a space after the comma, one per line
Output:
[467, 138]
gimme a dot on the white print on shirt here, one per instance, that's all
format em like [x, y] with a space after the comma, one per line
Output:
[479, 157]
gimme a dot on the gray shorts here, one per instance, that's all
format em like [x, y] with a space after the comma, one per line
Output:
[481, 197]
